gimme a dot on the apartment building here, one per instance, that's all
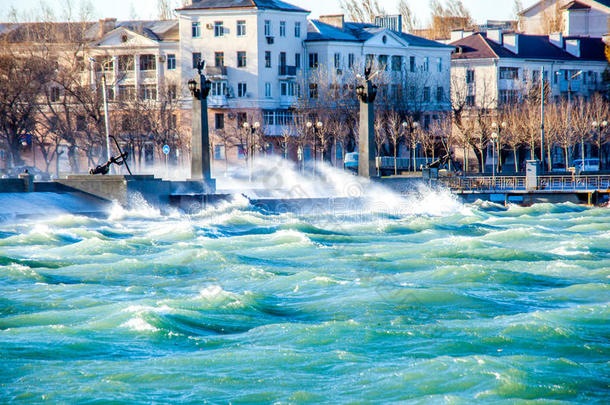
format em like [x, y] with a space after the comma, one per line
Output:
[412, 73]
[495, 68]
[569, 17]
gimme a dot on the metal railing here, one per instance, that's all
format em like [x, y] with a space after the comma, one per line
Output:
[517, 183]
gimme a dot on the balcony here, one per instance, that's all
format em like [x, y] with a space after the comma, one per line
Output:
[284, 70]
[219, 72]
[287, 101]
[217, 101]
[148, 74]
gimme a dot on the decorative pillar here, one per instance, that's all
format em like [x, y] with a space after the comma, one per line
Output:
[366, 141]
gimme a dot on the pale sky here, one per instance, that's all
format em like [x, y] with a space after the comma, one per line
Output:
[481, 10]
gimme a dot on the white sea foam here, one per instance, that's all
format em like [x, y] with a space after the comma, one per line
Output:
[140, 325]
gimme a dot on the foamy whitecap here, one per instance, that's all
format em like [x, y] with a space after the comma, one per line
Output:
[140, 325]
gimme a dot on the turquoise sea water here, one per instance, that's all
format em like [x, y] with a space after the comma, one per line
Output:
[435, 302]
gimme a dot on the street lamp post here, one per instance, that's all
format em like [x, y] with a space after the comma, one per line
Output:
[252, 131]
[414, 144]
[497, 129]
[598, 126]
[300, 157]
[105, 99]
[494, 138]
[316, 133]
[405, 128]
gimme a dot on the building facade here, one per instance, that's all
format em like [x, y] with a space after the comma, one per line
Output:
[262, 57]
[569, 17]
[496, 68]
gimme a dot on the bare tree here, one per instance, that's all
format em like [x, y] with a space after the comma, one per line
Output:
[409, 21]
[598, 112]
[361, 10]
[20, 81]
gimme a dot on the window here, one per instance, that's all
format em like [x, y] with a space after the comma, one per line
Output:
[241, 118]
[241, 28]
[287, 88]
[337, 60]
[412, 63]
[219, 151]
[412, 92]
[470, 101]
[282, 28]
[127, 92]
[268, 117]
[126, 62]
[242, 89]
[470, 76]
[426, 122]
[219, 59]
[54, 94]
[267, 28]
[196, 30]
[509, 73]
[313, 90]
[508, 96]
[171, 61]
[268, 90]
[148, 92]
[297, 29]
[196, 59]
[172, 121]
[218, 29]
[350, 60]
[396, 63]
[219, 121]
[148, 62]
[313, 60]
[383, 62]
[426, 65]
[426, 94]
[219, 88]
[267, 59]
[241, 59]
[81, 123]
[439, 64]
[283, 60]
[171, 92]
[396, 92]
[440, 94]
[369, 60]
[297, 60]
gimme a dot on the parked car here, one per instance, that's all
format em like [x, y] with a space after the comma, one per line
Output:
[350, 162]
[591, 165]
[36, 172]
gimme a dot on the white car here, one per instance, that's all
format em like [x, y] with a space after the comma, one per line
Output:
[591, 165]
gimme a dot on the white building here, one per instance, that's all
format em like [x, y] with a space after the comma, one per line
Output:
[252, 50]
[409, 67]
[573, 17]
[495, 68]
